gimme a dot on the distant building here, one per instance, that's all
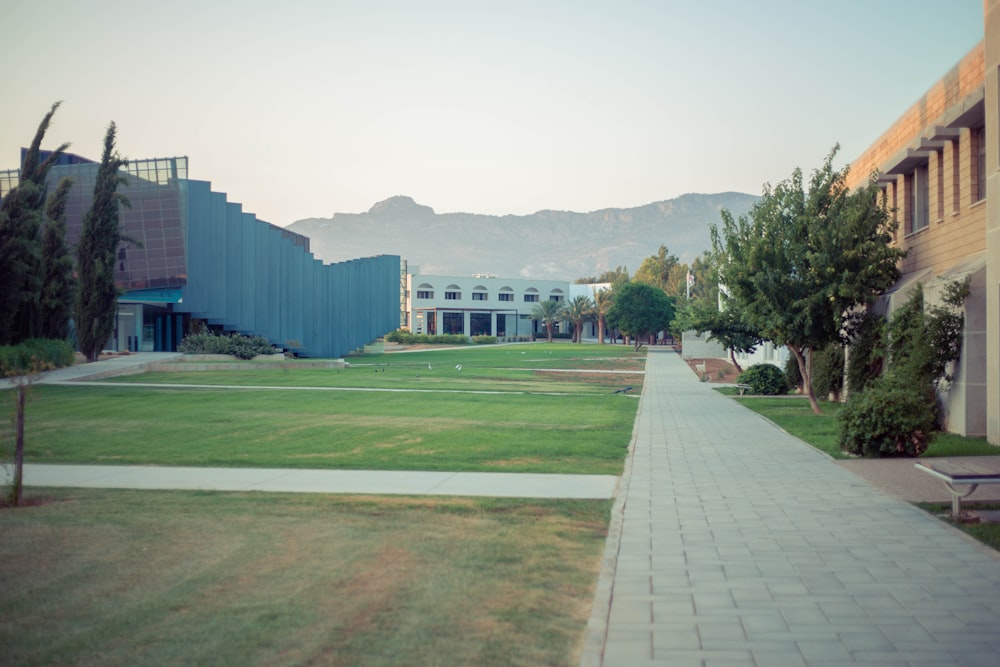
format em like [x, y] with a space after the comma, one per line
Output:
[197, 257]
[484, 305]
[938, 171]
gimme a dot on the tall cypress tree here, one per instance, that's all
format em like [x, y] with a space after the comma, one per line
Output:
[96, 252]
[21, 214]
[58, 282]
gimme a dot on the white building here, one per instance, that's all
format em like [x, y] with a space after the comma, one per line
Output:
[484, 305]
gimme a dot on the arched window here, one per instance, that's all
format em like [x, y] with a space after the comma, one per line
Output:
[506, 294]
[480, 293]
[557, 295]
[425, 291]
[453, 293]
[530, 295]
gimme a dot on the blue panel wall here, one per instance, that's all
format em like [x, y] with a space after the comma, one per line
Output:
[245, 275]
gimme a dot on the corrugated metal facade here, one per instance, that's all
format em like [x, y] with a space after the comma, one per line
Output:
[197, 255]
[249, 276]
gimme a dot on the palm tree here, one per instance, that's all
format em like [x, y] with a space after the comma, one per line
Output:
[578, 310]
[603, 300]
[549, 312]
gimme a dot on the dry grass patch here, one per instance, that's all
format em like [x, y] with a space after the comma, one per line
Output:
[115, 577]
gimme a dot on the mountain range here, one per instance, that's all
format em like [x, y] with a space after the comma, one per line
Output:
[561, 245]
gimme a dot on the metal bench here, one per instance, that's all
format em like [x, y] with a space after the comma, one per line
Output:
[956, 471]
[743, 388]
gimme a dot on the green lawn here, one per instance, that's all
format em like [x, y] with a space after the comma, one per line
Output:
[792, 413]
[555, 422]
[115, 577]
[121, 578]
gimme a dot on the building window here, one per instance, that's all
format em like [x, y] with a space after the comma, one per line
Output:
[556, 297]
[506, 296]
[530, 298]
[480, 324]
[480, 296]
[453, 323]
[425, 294]
[979, 151]
[919, 199]
[452, 296]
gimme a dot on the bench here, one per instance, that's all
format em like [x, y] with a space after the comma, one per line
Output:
[743, 388]
[957, 471]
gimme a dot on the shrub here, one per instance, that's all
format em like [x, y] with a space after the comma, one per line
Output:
[892, 417]
[484, 340]
[867, 357]
[35, 354]
[406, 338]
[828, 371]
[236, 345]
[793, 376]
[764, 379]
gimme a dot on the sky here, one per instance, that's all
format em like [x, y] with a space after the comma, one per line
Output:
[304, 108]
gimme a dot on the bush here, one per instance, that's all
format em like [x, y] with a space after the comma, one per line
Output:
[764, 379]
[236, 345]
[406, 338]
[793, 376]
[33, 355]
[828, 371]
[892, 417]
[484, 340]
[867, 357]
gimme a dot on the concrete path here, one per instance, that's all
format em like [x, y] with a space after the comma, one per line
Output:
[733, 543]
[506, 485]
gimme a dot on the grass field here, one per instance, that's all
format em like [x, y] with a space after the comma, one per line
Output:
[793, 414]
[125, 578]
[115, 577]
[417, 411]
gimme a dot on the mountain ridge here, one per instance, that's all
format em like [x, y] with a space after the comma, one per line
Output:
[546, 244]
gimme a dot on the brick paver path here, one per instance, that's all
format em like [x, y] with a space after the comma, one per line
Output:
[736, 544]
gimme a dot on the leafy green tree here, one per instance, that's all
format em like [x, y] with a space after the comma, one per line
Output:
[804, 260]
[701, 313]
[665, 271]
[615, 276]
[58, 283]
[578, 310]
[97, 250]
[21, 214]
[548, 312]
[640, 311]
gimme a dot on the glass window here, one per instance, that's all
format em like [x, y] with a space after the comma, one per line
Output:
[425, 294]
[506, 296]
[979, 149]
[452, 323]
[530, 298]
[919, 199]
[452, 296]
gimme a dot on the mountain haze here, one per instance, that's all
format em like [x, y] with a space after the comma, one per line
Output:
[561, 245]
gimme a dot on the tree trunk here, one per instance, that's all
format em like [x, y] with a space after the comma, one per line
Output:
[732, 358]
[15, 492]
[805, 370]
[600, 330]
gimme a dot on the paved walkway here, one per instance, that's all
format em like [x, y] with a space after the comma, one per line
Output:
[387, 482]
[733, 543]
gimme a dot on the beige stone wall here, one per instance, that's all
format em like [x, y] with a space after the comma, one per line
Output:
[963, 231]
[991, 20]
[962, 80]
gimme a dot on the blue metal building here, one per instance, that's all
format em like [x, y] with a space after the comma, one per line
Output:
[194, 256]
